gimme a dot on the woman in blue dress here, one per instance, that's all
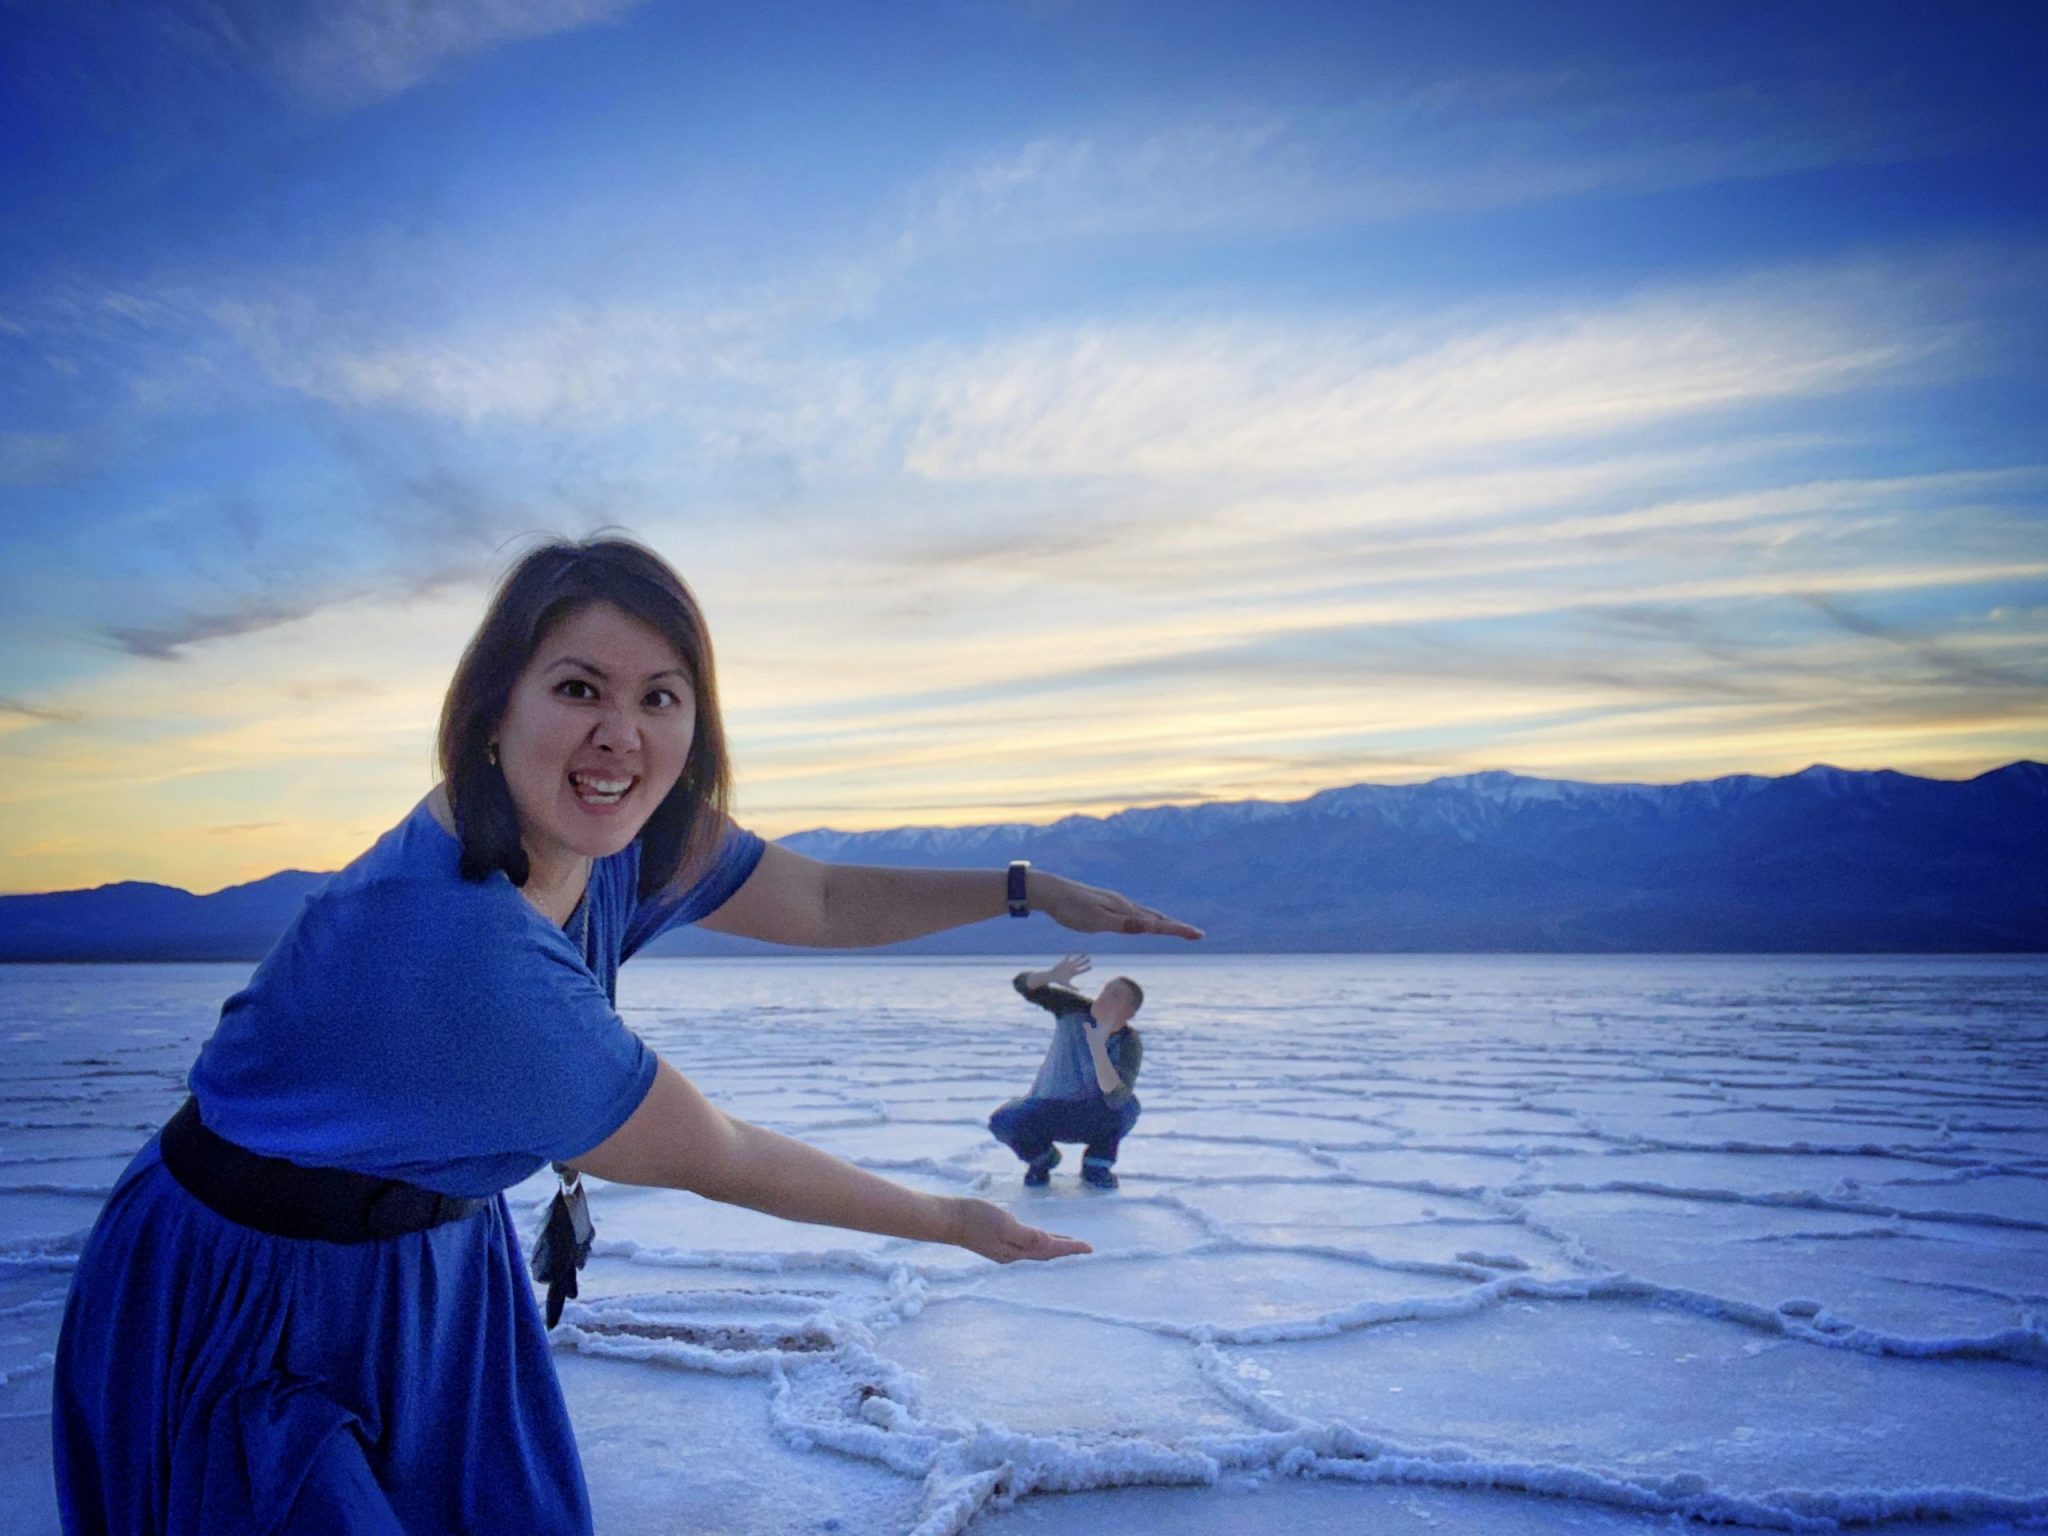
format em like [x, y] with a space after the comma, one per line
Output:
[304, 1308]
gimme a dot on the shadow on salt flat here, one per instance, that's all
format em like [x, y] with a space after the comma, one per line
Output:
[1297, 1127]
[1457, 1118]
[25, 1389]
[651, 1281]
[112, 1145]
[974, 1099]
[1260, 1507]
[1765, 1127]
[1445, 1170]
[1551, 1144]
[53, 1217]
[683, 1453]
[1566, 1384]
[1501, 1247]
[1738, 1173]
[2015, 1146]
[1880, 1099]
[66, 1174]
[1694, 1131]
[28, 1497]
[1323, 1202]
[1896, 1284]
[2019, 1197]
[1229, 1290]
[1169, 1158]
[1341, 1090]
[982, 1361]
[1395, 1225]
[29, 1309]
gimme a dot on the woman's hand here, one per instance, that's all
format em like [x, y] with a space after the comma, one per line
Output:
[994, 1233]
[1087, 909]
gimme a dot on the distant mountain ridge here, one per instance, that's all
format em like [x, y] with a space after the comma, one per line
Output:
[1824, 860]
[138, 921]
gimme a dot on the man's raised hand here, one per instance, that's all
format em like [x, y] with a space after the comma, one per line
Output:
[1067, 968]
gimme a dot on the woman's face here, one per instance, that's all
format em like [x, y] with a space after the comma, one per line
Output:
[594, 736]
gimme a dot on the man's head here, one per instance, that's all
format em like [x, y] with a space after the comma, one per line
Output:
[1118, 1002]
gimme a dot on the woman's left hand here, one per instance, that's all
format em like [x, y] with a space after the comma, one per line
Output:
[1088, 909]
[994, 1233]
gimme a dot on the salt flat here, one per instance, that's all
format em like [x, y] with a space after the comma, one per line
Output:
[1512, 1245]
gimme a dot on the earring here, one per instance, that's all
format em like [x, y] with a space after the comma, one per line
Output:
[491, 754]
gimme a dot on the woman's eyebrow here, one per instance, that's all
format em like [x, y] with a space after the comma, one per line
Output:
[604, 677]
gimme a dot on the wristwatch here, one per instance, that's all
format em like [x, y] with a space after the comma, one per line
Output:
[1019, 891]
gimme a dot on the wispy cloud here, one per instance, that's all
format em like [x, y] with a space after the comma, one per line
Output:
[22, 711]
[343, 52]
[1455, 145]
[285, 602]
[618, 364]
[1296, 400]
[37, 458]
[1965, 665]
[164, 642]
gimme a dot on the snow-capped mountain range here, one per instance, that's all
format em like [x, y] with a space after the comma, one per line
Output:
[1827, 859]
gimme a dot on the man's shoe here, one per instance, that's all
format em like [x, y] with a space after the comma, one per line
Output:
[1098, 1174]
[1038, 1171]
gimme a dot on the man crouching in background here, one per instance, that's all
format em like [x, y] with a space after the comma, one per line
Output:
[1083, 1091]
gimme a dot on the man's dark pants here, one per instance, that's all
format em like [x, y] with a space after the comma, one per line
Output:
[1029, 1127]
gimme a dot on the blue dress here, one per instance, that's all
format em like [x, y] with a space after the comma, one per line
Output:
[214, 1379]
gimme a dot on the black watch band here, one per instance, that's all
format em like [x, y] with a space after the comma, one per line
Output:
[1019, 890]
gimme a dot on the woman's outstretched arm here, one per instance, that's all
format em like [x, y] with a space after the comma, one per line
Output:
[679, 1139]
[791, 899]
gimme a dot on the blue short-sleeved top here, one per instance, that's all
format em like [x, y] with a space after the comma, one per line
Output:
[416, 1025]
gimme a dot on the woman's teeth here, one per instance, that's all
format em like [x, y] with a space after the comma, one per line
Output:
[599, 791]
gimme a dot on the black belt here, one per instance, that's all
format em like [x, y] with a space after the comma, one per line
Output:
[286, 1200]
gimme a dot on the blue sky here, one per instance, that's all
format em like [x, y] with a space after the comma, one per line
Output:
[1057, 406]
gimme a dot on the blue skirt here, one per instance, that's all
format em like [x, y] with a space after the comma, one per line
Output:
[211, 1378]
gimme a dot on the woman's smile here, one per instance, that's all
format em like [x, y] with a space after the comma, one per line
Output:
[601, 791]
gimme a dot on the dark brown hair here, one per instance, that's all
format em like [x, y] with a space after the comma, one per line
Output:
[548, 585]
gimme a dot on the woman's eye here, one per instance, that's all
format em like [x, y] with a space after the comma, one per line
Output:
[576, 688]
[663, 698]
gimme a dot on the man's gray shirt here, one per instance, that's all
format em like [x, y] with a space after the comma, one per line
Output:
[1068, 1071]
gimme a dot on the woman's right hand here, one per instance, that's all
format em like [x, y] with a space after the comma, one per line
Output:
[1090, 909]
[994, 1233]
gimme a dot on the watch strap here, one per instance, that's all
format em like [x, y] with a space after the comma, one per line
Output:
[1019, 890]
